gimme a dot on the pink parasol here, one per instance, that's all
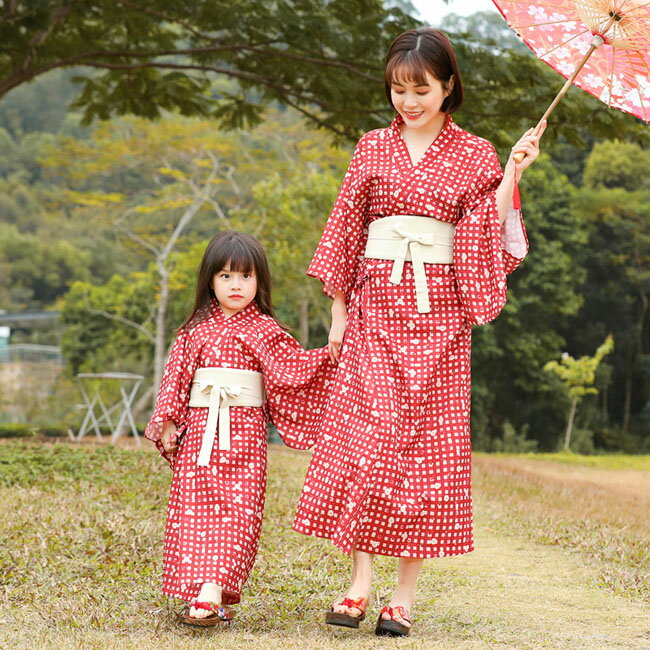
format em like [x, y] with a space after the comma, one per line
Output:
[608, 40]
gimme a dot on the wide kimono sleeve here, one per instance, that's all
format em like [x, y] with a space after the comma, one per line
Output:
[484, 250]
[342, 244]
[172, 403]
[296, 382]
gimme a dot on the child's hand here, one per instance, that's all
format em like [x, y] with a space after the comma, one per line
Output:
[168, 438]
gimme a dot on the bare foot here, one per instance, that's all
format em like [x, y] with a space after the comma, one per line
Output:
[399, 610]
[362, 601]
[360, 588]
[209, 593]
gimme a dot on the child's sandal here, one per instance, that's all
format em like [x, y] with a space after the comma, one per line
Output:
[220, 615]
[391, 626]
[348, 620]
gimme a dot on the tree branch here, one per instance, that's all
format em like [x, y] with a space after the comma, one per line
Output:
[119, 319]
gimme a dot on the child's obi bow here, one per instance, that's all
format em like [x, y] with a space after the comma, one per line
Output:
[411, 238]
[218, 389]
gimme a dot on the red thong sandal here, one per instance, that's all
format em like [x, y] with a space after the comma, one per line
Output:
[348, 620]
[392, 627]
[220, 614]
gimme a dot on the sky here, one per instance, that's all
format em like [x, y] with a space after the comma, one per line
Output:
[432, 10]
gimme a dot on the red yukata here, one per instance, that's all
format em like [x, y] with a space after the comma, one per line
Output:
[214, 516]
[391, 470]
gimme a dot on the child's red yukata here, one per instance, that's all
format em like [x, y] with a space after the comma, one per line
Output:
[391, 470]
[215, 513]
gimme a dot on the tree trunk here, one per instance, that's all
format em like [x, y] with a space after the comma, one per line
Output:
[569, 424]
[161, 313]
[627, 402]
[304, 323]
[634, 362]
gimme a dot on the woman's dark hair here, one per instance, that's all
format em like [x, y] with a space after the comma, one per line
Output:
[244, 254]
[417, 51]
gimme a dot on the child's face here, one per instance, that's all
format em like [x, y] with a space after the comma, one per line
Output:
[419, 105]
[234, 290]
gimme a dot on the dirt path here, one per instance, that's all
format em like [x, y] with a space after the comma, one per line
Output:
[532, 596]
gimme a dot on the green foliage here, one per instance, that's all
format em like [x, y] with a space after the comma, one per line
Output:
[544, 294]
[616, 259]
[51, 467]
[63, 188]
[164, 55]
[37, 272]
[18, 430]
[512, 442]
[578, 376]
[618, 164]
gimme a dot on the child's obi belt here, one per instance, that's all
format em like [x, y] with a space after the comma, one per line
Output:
[419, 240]
[219, 389]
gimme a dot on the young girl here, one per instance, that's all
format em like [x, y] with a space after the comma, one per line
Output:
[210, 422]
[415, 251]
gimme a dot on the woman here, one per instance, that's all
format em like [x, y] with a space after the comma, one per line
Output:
[391, 470]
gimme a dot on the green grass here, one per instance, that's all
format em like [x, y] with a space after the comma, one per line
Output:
[80, 563]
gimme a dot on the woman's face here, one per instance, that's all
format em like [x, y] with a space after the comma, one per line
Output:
[419, 104]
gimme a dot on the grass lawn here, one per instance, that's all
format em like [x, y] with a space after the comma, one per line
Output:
[561, 560]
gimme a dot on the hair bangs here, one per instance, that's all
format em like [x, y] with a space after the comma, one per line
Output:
[407, 66]
[241, 258]
[234, 255]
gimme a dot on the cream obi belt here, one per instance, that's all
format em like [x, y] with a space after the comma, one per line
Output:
[406, 237]
[218, 389]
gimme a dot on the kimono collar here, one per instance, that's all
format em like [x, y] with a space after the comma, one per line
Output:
[250, 311]
[449, 130]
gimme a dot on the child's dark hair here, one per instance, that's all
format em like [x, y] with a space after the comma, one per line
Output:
[417, 51]
[245, 255]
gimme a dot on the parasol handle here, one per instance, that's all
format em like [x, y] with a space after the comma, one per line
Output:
[596, 42]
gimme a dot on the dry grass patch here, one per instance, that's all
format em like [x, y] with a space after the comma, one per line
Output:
[601, 513]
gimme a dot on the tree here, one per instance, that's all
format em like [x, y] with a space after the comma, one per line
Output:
[543, 295]
[324, 58]
[578, 376]
[617, 164]
[293, 206]
[34, 273]
[187, 177]
[617, 288]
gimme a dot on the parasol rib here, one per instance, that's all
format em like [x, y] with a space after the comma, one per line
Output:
[532, 2]
[556, 22]
[568, 40]
[611, 80]
[631, 11]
